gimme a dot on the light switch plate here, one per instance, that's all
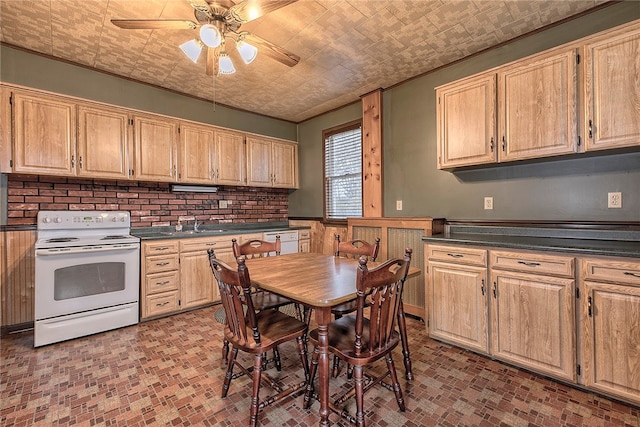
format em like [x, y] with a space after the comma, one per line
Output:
[222, 204]
[488, 203]
[398, 205]
[614, 200]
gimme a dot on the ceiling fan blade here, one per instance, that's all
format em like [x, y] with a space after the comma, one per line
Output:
[154, 24]
[201, 6]
[248, 10]
[273, 51]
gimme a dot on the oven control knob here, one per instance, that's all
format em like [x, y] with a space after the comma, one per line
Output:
[57, 220]
[46, 220]
[114, 219]
[122, 219]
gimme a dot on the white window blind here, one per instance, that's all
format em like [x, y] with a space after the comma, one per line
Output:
[343, 174]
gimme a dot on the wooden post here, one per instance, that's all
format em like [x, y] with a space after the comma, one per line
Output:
[372, 154]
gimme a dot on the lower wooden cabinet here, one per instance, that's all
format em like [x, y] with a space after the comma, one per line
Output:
[610, 313]
[572, 318]
[533, 312]
[457, 309]
[176, 274]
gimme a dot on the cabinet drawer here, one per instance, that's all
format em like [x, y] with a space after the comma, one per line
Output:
[246, 237]
[165, 302]
[533, 263]
[304, 234]
[203, 244]
[160, 263]
[160, 248]
[616, 271]
[458, 255]
[162, 282]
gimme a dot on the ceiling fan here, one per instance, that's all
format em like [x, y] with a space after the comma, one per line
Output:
[219, 20]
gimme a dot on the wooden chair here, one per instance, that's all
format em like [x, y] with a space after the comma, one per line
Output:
[351, 249]
[361, 341]
[254, 332]
[262, 300]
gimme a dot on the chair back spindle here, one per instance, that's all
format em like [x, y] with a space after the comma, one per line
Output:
[379, 289]
[356, 248]
[256, 248]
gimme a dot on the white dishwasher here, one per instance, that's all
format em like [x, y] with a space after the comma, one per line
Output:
[288, 240]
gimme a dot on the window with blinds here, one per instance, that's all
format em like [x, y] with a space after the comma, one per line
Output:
[343, 172]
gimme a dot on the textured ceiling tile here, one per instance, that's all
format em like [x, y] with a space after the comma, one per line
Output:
[347, 47]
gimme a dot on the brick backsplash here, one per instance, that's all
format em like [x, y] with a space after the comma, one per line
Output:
[150, 203]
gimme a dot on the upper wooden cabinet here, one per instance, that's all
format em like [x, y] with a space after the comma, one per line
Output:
[612, 91]
[58, 135]
[230, 158]
[44, 134]
[103, 142]
[466, 122]
[271, 163]
[197, 154]
[209, 155]
[538, 107]
[537, 104]
[155, 145]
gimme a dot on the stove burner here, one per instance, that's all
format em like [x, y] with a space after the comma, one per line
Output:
[114, 237]
[61, 239]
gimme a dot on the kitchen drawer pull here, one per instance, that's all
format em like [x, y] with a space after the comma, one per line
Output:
[163, 304]
[456, 255]
[161, 248]
[166, 282]
[529, 264]
[629, 273]
[162, 264]
[211, 244]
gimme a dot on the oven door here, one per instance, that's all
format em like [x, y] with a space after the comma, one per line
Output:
[77, 279]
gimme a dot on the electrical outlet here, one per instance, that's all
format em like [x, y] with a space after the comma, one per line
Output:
[614, 200]
[488, 203]
[222, 204]
[398, 205]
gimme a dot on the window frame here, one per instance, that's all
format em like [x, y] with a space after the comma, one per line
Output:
[356, 124]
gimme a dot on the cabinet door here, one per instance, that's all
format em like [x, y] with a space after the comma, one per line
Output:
[44, 135]
[537, 106]
[457, 305]
[155, 148]
[196, 154]
[285, 168]
[466, 122]
[230, 158]
[197, 281]
[102, 142]
[612, 91]
[611, 347]
[259, 162]
[533, 322]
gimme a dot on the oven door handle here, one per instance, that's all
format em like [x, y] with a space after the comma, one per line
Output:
[86, 249]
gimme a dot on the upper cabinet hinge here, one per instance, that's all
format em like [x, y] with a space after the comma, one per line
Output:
[577, 293]
[11, 100]
[10, 163]
[578, 370]
[577, 58]
[131, 122]
[579, 141]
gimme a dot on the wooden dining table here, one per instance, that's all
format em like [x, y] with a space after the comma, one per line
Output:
[319, 282]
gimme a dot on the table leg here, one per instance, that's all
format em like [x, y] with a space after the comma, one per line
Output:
[323, 317]
[402, 326]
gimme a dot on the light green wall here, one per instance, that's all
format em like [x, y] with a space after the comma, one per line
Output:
[22, 68]
[553, 189]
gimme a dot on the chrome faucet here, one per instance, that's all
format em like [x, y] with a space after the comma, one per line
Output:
[196, 225]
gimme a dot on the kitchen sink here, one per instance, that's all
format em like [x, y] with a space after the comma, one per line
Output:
[190, 232]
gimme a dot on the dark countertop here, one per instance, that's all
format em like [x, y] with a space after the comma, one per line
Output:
[600, 242]
[208, 230]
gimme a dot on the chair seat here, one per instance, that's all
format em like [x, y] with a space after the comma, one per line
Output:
[347, 307]
[275, 328]
[263, 300]
[342, 336]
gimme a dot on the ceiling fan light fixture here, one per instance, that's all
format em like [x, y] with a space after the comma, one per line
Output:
[247, 51]
[193, 49]
[210, 35]
[225, 66]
